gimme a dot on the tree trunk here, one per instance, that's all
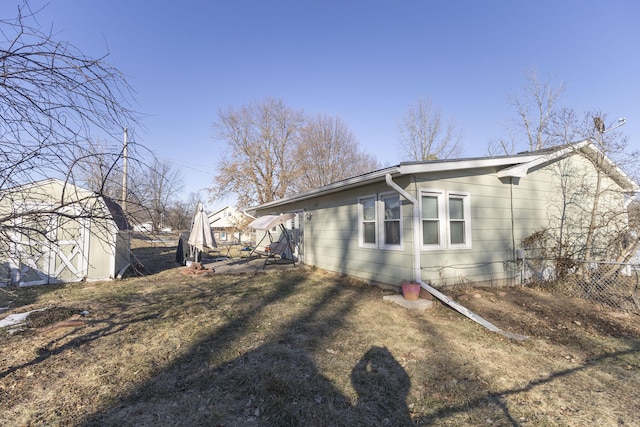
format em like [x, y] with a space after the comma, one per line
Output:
[592, 221]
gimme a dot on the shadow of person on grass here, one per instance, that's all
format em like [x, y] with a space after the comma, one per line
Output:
[238, 375]
[382, 386]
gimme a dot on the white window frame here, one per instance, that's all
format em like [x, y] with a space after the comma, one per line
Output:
[466, 206]
[444, 228]
[442, 219]
[361, 241]
[381, 222]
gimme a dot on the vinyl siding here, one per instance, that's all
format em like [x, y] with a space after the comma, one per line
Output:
[490, 230]
[331, 235]
[539, 200]
[331, 240]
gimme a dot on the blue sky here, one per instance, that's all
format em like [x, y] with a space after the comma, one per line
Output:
[365, 61]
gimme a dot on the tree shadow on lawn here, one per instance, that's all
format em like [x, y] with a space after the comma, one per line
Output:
[12, 298]
[499, 405]
[61, 343]
[275, 383]
[276, 379]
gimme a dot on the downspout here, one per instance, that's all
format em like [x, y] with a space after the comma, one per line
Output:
[247, 214]
[514, 251]
[417, 268]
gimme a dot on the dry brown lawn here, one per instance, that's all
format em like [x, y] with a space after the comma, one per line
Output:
[309, 348]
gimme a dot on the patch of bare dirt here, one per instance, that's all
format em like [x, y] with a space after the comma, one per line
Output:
[537, 313]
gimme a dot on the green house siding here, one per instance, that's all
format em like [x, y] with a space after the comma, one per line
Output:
[490, 224]
[562, 195]
[504, 209]
[331, 239]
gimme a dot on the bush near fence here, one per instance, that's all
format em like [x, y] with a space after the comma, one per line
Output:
[609, 284]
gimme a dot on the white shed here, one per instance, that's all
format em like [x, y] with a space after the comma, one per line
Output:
[54, 231]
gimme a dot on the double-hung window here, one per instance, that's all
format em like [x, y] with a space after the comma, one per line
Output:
[392, 221]
[458, 215]
[446, 220]
[380, 221]
[368, 226]
[433, 220]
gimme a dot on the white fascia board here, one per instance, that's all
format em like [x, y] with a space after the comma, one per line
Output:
[585, 148]
[355, 181]
[517, 171]
[521, 170]
[409, 168]
[613, 170]
[519, 166]
[439, 166]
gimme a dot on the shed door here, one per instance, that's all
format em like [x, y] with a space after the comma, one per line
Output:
[50, 249]
[69, 251]
[31, 252]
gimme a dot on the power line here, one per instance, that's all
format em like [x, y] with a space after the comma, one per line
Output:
[191, 166]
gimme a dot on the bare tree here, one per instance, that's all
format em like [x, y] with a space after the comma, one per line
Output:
[328, 152]
[588, 215]
[613, 144]
[181, 212]
[536, 108]
[53, 100]
[52, 97]
[424, 135]
[588, 218]
[156, 187]
[99, 168]
[261, 138]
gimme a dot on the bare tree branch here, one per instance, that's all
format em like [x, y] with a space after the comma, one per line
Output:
[540, 122]
[54, 100]
[258, 164]
[329, 152]
[425, 136]
[52, 97]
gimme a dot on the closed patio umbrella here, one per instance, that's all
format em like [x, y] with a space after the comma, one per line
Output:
[200, 236]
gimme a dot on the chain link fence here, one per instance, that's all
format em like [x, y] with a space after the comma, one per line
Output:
[608, 284]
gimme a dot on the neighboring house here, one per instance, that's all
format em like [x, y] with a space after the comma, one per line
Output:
[54, 232]
[225, 223]
[448, 222]
[144, 227]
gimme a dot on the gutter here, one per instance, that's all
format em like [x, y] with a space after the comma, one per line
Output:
[417, 268]
[345, 184]
[249, 215]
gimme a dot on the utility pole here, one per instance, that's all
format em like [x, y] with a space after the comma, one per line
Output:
[124, 171]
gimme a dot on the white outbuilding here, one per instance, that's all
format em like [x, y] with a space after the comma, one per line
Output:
[54, 231]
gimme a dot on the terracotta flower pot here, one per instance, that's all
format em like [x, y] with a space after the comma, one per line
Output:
[410, 290]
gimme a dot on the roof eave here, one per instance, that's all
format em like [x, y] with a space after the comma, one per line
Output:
[356, 181]
[408, 168]
[478, 163]
[521, 170]
[510, 166]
